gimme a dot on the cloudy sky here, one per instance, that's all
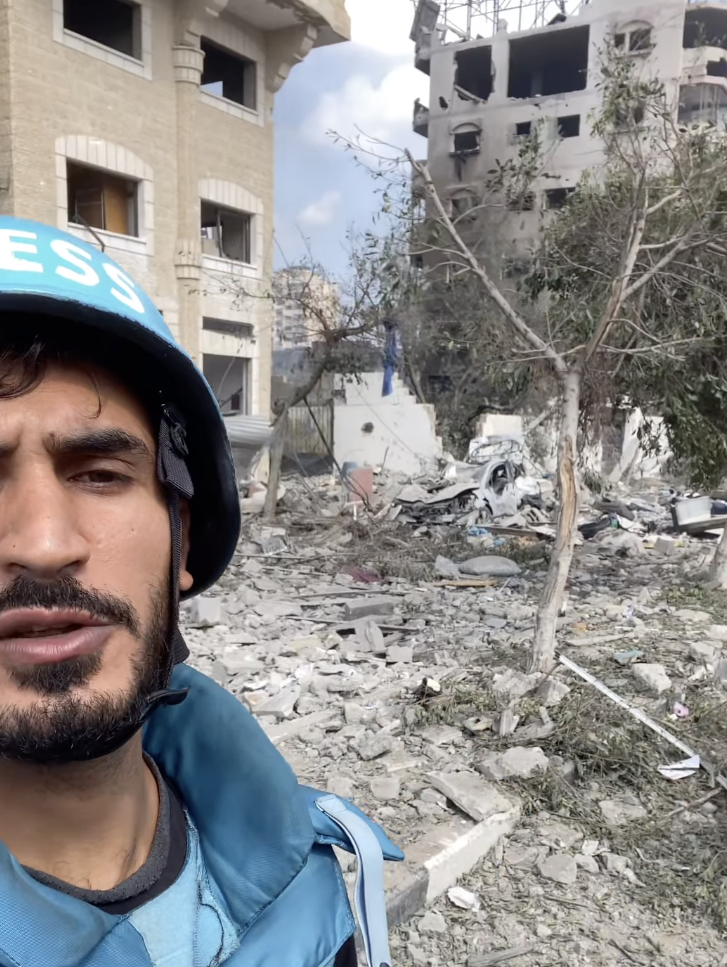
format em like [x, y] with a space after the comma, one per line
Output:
[369, 84]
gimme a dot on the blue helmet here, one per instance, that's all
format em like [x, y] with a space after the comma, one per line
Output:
[48, 272]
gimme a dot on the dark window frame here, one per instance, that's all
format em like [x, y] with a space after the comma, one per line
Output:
[212, 222]
[77, 10]
[221, 61]
[75, 171]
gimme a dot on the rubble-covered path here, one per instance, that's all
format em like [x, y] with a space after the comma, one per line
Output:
[544, 798]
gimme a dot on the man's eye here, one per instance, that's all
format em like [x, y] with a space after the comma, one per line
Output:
[102, 477]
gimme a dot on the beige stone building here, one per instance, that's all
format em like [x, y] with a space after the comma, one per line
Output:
[489, 92]
[145, 127]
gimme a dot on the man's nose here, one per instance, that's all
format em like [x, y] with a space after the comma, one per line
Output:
[40, 533]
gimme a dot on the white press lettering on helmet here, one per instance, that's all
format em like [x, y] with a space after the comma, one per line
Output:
[74, 254]
[9, 245]
[14, 241]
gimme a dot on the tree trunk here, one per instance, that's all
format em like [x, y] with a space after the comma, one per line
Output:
[277, 451]
[542, 658]
[718, 570]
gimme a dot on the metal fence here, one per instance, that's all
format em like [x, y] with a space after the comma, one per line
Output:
[310, 431]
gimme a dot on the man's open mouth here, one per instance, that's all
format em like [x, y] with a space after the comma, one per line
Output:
[34, 635]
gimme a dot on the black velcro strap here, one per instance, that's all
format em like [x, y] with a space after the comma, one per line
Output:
[171, 458]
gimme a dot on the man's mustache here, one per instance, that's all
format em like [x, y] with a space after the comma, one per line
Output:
[67, 593]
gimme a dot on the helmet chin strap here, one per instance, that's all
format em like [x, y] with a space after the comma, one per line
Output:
[174, 475]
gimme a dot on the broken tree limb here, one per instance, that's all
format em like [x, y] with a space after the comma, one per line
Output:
[642, 717]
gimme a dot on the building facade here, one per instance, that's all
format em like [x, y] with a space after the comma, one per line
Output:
[305, 305]
[488, 94]
[145, 127]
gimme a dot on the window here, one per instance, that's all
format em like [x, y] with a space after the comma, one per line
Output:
[557, 197]
[466, 142]
[229, 377]
[717, 68]
[549, 63]
[630, 117]
[113, 23]
[226, 233]
[523, 129]
[705, 28]
[241, 329]
[521, 203]
[570, 126]
[229, 75]
[640, 39]
[101, 200]
[619, 41]
[463, 205]
[474, 74]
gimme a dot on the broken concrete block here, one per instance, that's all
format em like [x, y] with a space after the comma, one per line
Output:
[620, 812]
[341, 787]
[353, 713]
[440, 734]
[654, 677]
[686, 614]
[523, 857]
[588, 863]
[490, 566]
[399, 653]
[219, 672]
[515, 684]
[204, 612]
[281, 705]
[365, 607]
[277, 609]
[560, 868]
[444, 568]
[433, 797]
[517, 762]
[665, 545]
[717, 632]
[617, 865]
[472, 794]
[432, 923]
[703, 651]
[552, 692]
[370, 638]
[508, 723]
[558, 835]
[385, 788]
[373, 746]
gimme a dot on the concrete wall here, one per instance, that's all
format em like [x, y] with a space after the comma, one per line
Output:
[402, 436]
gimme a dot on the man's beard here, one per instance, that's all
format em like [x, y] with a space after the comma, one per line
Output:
[64, 726]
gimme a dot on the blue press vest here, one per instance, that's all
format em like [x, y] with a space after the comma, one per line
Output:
[264, 840]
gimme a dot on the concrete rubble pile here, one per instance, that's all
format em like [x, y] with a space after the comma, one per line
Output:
[411, 699]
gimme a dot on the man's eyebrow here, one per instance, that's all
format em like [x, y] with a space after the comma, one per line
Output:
[111, 442]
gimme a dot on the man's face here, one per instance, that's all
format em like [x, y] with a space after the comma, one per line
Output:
[84, 565]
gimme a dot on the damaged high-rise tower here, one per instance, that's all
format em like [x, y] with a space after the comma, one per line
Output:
[501, 69]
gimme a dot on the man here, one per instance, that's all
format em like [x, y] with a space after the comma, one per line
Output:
[145, 819]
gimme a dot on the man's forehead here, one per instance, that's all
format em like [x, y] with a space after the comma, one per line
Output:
[76, 396]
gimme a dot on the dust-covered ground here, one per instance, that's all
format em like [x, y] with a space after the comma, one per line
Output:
[612, 863]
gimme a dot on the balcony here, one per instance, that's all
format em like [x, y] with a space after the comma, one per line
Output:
[421, 119]
[328, 16]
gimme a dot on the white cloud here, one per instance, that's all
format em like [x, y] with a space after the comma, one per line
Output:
[381, 109]
[382, 25]
[322, 211]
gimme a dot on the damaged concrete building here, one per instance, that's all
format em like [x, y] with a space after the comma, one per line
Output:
[145, 128]
[488, 94]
